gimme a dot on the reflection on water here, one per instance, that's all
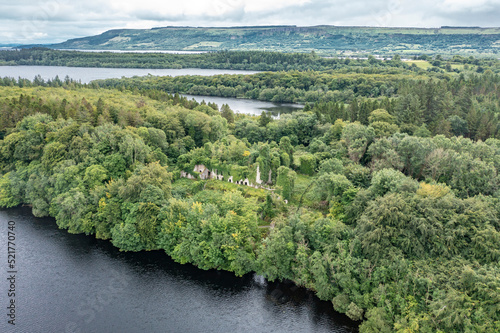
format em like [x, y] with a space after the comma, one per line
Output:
[249, 106]
[75, 283]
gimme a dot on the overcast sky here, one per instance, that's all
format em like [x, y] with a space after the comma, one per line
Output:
[49, 21]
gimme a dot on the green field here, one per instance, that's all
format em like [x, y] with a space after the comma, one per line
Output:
[420, 63]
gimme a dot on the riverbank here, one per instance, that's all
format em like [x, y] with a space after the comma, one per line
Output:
[93, 287]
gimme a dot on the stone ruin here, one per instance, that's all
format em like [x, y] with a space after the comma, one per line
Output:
[205, 173]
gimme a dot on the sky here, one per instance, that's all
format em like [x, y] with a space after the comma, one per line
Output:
[51, 21]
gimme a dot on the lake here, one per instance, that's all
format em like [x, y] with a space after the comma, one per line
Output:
[85, 75]
[75, 283]
[249, 106]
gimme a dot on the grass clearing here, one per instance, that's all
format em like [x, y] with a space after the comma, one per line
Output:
[424, 64]
[302, 183]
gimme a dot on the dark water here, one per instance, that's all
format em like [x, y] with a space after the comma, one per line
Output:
[85, 75]
[75, 283]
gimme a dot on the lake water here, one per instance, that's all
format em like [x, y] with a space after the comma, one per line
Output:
[75, 283]
[85, 75]
[249, 106]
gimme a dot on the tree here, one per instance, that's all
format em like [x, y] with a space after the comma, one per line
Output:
[151, 177]
[357, 137]
[265, 118]
[384, 156]
[413, 151]
[307, 164]
[382, 116]
[8, 197]
[268, 211]
[95, 175]
[331, 165]
[276, 253]
[320, 275]
[264, 161]
[390, 180]
[458, 126]
[125, 235]
[376, 322]
[286, 147]
[147, 224]
[383, 123]
[331, 186]
[422, 132]
[71, 210]
[384, 129]
[286, 180]
[472, 176]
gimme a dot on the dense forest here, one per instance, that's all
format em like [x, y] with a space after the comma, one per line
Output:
[382, 195]
[322, 39]
[247, 60]
[416, 99]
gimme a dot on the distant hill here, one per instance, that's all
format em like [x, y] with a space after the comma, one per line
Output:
[322, 39]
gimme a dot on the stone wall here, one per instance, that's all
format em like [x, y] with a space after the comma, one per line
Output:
[205, 173]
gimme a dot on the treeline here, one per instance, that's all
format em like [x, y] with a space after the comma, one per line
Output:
[183, 129]
[462, 106]
[291, 87]
[244, 60]
[309, 86]
[238, 60]
[38, 81]
[400, 231]
[466, 105]
[68, 83]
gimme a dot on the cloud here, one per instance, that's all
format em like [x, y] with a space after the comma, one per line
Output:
[46, 21]
[468, 5]
[483, 13]
[325, 12]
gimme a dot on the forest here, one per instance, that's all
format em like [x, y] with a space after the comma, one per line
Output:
[382, 195]
[243, 60]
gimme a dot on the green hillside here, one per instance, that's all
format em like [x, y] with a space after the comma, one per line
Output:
[322, 39]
